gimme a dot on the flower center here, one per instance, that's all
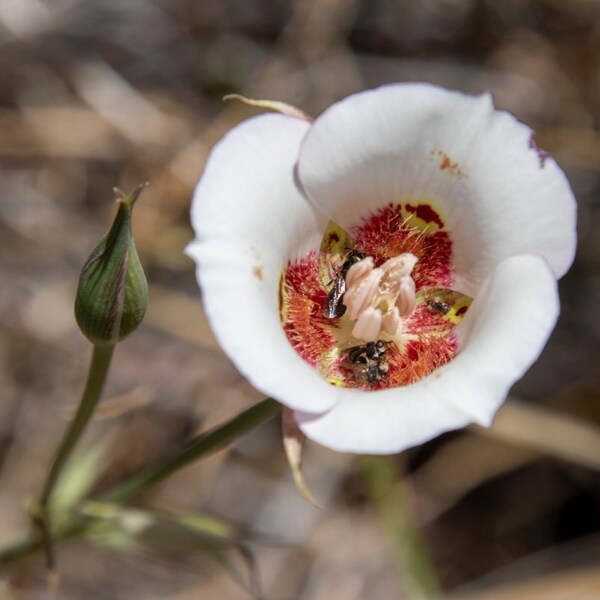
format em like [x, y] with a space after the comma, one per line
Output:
[373, 308]
[376, 297]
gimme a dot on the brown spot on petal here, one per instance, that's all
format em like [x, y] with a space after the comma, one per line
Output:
[447, 164]
[258, 272]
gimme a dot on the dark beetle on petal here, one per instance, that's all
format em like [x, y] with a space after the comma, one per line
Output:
[438, 306]
[335, 308]
[368, 362]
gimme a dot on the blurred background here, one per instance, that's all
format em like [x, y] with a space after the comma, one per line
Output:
[95, 94]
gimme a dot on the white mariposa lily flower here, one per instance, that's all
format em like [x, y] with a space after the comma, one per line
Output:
[389, 270]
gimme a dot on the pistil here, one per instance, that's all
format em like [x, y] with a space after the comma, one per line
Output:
[377, 297]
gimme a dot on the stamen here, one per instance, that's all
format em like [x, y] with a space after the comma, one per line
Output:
[357, 270]
[407, 298]
[368, 325]
[362, 293]
[376, 298]
[391, 321]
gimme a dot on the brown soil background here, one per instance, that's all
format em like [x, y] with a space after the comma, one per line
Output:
[96, 94]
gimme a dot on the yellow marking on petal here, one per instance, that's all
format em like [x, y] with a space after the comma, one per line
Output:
[333, 251]
[328, 359]
[449, 305]
[283, 300]
[422, 215]
[459, 309]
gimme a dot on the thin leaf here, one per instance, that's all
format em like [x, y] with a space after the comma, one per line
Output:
[78, 477]
[128, 529]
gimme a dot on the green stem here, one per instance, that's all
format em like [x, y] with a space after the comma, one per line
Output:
[198, 447]
[100, 363]
[389, 496]
[99, 366]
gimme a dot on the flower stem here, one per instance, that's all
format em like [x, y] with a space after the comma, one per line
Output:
[100, 363]
[389, 496]
[198, 447]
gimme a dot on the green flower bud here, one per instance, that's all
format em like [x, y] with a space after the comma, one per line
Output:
[112, 295]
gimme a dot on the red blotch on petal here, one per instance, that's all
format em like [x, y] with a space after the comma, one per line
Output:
[461, 311]
[425, 213]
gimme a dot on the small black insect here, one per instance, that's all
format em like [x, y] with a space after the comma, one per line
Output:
[335, 308]
[370, 350]
[368, 362]
[438, 306]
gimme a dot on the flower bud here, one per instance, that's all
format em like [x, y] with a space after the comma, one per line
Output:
[112, 295]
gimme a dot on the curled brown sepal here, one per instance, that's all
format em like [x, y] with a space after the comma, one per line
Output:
[274, 105]
[293, 442]
[112, 295]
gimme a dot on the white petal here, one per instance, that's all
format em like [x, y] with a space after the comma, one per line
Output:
[383, 422]
[501, 336]
[388, 145]
[505, 330]
[249, 220]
